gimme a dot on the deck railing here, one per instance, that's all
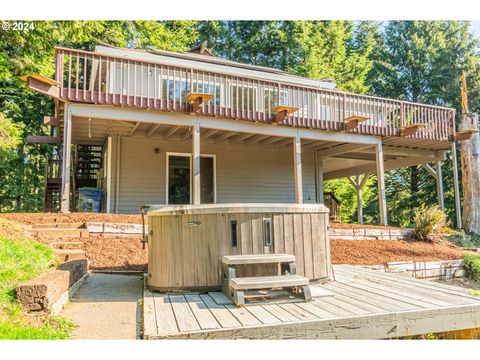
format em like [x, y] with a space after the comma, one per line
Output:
[91, 77]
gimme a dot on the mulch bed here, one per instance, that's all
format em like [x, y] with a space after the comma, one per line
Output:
[125, 253]
[358, 226]
[45, 218]
[377, 252]
[112, 253]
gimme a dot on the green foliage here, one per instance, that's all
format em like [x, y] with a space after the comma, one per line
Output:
[467, 241]
[347, 196]
[472, 266]
[430, 223]
[22, 259]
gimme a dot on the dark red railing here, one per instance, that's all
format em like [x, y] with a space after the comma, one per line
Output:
[91, 77]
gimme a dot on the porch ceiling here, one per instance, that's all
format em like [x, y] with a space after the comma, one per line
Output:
[339, 159]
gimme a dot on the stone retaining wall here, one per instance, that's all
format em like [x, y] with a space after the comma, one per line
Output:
[425, 270]
[371, 234]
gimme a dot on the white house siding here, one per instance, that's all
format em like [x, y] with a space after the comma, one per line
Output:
[243, 173]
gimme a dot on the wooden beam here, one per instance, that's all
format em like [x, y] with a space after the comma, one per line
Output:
[172, 131]
[66, 159]
[284, 142]
[43, 139]
[209, 133]
[151, 130]
[341, 149]
[465, 135]
[381, 185]
[297, 163]
[256, 139]
[430, 170]
[411, 129]
[43, 85]
[239, 138]
[51, 121]
[352, 122]
[137, 124]
[196, 163]
[391, 164]
[270, 140]
[223, 136]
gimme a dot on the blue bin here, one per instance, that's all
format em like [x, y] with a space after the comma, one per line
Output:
[89, 199]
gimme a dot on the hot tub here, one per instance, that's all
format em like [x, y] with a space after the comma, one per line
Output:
[187, 242]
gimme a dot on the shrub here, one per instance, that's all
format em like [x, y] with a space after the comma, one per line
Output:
[472, 266]
[430, 223]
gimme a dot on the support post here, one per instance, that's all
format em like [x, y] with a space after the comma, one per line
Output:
[319, 178]
[439, 177]
[196, 162]
[117, 173]
[66, 160]
[108, 207]
[297, 163]
[381, 184]
[456, 189]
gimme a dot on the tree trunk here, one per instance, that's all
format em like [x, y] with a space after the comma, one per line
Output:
[470, 158]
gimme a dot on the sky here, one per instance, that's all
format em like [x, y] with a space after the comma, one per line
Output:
[475, 28]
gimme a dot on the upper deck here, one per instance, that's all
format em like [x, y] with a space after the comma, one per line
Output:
[98, 78]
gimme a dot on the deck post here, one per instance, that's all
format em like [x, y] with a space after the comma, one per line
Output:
[319, 178]
[196, 162]
[66, 159]
[297, 163]
[458, 209]
[108, 207]
[381, 184]
[439, 177]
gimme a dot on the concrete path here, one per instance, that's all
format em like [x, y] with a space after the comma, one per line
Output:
[106, 307]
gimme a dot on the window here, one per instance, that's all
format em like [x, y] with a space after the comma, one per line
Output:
[179, 179]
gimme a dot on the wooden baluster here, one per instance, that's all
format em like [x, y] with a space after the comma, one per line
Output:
[85, 75]
[69, 75]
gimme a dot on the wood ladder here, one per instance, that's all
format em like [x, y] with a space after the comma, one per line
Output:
[236, 288]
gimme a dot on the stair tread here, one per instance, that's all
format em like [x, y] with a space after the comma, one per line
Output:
[257, 259]
[262, 282]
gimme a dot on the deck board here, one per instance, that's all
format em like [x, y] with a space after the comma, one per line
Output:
[361, 304]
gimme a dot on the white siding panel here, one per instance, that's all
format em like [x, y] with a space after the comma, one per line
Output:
[243, 173]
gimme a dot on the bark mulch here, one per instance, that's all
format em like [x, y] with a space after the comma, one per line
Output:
[115, 253]
[358, 226]
[46, 218]
[377, 252]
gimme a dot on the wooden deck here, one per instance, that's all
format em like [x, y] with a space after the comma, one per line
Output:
[359, 304]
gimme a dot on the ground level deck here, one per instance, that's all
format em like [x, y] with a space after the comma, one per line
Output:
[359, 304]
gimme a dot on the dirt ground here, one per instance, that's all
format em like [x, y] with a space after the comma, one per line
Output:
[376, 252]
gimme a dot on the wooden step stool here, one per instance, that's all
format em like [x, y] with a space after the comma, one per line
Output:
[235, 287]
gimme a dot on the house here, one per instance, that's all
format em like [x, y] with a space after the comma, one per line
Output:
[151, 126]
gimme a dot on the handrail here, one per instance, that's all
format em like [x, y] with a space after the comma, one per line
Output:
[105, 79]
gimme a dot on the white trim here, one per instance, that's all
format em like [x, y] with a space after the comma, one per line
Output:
[168, 153]
[67, 153]
[109, 174]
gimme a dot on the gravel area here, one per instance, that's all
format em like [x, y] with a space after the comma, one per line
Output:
[376, 252]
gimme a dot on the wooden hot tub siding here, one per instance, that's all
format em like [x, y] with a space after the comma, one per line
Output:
[185, 256]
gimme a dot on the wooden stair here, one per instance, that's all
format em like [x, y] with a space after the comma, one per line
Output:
[238, 289]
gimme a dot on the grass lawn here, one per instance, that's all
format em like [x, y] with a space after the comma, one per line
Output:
[20, 260]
